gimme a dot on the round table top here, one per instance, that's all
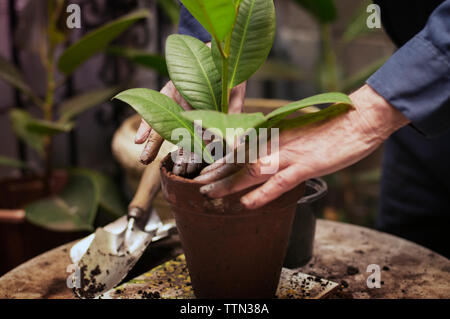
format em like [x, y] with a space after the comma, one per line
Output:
[342, 253]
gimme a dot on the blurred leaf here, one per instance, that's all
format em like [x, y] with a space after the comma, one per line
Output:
[171, 10]
[74, 106]
[358, 24]
[307, 119]
[96, 41]
[193, 72]
[74, 209]
[358, 79]
[219, 122]
[110, 197]
[216, 16]
[10, 74]
[323, 10]
[277, 70]
[149, 60]
[43, 127]
[12, 162]
[20, 120]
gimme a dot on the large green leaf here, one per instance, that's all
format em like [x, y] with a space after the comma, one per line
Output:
[216, 16]
[193, 72]
[142, 58]
[307, 119]
[74, 209]
[218, 123]
[290, 108]
[12, 162]
[323, 10]
[96, 41]
[20, 120]
[162, 113]
[76, 105]
[10, 74]
[251, 40]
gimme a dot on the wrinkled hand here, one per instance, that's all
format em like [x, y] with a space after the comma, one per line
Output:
[154, 140]
[315, 150]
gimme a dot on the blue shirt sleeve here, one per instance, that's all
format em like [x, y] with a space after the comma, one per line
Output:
[190, 26]
[416, 79]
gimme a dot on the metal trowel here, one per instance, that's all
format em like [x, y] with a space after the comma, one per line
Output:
[112, 251]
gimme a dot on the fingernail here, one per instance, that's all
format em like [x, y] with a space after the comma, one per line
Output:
[246, 202]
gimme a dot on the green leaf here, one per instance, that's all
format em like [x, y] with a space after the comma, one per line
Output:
[359, 78]
[323, 10]
[74, 209]
[10, 74]
[142, 58]
[12, 162]
[307, 119]
[290, 108]
[357, 26]
[110, 197]
[20, 120]
[162, 113]
[96, 41]
[43, 127]
[278, 70]
[193, 72]
[215, 16]
[74, 106]
[218, 122]
[171, 10]
[251, 40]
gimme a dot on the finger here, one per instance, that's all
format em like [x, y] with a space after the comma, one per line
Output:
[180, 165]
[142, 133]
[248, 176]
[277, 185]
[213, 166]
[194, 164]
[152, 147]
[237, 98]
[217, 174]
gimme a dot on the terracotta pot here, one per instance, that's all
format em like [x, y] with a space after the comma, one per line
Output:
[231, 252]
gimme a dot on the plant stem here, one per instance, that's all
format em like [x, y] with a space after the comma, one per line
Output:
[225, 94]
[329, 58]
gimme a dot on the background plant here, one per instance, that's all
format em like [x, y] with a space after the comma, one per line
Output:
[87, 192]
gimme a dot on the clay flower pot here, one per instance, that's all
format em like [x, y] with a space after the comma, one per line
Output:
[231, 252]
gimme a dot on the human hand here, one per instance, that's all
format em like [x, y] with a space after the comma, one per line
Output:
[315, 150]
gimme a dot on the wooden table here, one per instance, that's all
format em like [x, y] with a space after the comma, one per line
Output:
[342, 253]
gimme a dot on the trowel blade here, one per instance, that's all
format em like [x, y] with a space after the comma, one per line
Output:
[109, 258]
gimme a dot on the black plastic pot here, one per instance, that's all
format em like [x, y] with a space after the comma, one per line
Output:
[300, 248]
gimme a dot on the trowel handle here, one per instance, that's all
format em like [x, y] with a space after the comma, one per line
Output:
[148, 187]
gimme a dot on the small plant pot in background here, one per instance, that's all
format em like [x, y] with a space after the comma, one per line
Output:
[301, 242]
[231, 252]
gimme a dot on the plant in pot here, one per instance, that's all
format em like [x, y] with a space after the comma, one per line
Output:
[64, 202]
[231, 252]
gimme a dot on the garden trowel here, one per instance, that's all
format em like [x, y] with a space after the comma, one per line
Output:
[113, 251]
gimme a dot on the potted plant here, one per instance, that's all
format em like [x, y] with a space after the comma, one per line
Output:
[231, 252]
[65, 202]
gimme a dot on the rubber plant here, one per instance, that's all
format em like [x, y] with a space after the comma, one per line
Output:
[76, 206]
[231, 251]
[242, 36]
